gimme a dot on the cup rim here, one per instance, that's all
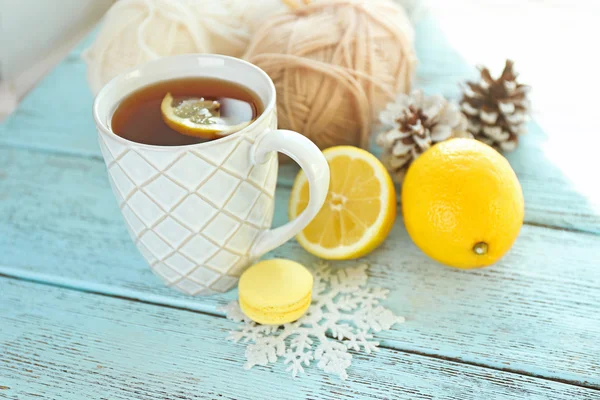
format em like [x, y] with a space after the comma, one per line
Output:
[102, 125]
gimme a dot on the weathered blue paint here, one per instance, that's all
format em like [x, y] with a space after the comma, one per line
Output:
[64, 344]
[535, 312]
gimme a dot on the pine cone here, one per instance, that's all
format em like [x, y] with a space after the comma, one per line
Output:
[497, 110]
[417, 122]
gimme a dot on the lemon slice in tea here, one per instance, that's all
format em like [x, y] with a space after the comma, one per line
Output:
[197, 117]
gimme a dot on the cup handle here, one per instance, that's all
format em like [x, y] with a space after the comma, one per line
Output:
[314, 164]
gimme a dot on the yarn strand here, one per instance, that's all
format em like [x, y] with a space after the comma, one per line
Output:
[293, 4]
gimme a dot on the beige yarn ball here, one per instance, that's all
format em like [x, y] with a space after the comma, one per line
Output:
[336, 64]
[136, 31]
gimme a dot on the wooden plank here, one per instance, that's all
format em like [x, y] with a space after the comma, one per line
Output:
[56, 117]
[62, 344]
[536, 311]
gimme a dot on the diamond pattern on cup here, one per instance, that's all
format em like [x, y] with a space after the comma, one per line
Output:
[108, 157]
[190, 171]
[145, 208]
[216, 152]
[243, 239]
[219, 187]
[271, 181]
[165, 273]
[223, 261]
[206, 292]
[224, 283]
[159, 159]
[166, 193]
[268, 216]
[113, 145]
[203, 276]
[133, 221]
[171, 199]
[123, 184]
[239, 267]
[172, 231]
[239, 160]
[242, 200]
[199, 249]
[194, 212]
[221, 228]
[189, 287]
[136, 168]
[262, 205]
[180, 264]
[156, 245]
[120, 199]
[146, 253]
[259, 173]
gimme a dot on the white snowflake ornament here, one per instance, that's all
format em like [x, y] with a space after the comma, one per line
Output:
[343, 316]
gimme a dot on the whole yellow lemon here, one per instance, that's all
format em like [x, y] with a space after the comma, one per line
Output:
[462, 203]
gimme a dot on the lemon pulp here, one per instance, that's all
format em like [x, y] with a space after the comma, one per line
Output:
[359, 211]
[197, 117]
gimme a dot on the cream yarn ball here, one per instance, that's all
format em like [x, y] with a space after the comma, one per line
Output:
[335, 64]
[253, 13]
[136, 31]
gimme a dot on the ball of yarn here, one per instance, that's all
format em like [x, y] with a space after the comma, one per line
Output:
[335, 65]
[136, 31]
[253, 13]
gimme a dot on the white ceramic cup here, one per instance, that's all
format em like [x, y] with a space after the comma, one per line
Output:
[201, 214]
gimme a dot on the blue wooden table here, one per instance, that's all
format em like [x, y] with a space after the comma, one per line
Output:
[82, 316]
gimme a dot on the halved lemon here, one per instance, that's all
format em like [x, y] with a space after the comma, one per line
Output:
[359, 211]
[197, 117]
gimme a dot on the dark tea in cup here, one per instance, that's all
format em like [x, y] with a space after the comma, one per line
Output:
[185, 111]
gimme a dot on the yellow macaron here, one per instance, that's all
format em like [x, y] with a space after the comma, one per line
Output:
[275, 292]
